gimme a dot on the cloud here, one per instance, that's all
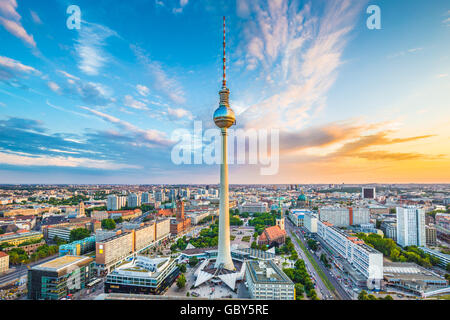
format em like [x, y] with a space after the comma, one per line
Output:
[163, 82]
[61, 161]
[92, 93]
[35, 17]
[142, 90]
[358, 148]
[53, 86]
[15, 65]
[10, 20]
[135, 104]
[179, 113]
[300, 51]
[89, 46]
[149, 137]
[68, 75]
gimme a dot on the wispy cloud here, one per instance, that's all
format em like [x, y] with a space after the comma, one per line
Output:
[10, 20]
[90, 47]
[129, 101]
[142, 90]
[300, 51]
[149, 137]
[163, 82]
[35, 17]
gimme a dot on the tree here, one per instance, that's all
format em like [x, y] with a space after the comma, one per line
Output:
[193, 261]
[362, 295]
[108, 224]
[388, 297]
[181, 281]
[79, 234]
[447, 267]
[182, 268]
[299, 291]
[254, 245]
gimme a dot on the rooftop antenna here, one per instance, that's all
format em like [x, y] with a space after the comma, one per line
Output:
[224, 81]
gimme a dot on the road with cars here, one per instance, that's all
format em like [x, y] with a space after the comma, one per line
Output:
[340, 293]
[321, 289]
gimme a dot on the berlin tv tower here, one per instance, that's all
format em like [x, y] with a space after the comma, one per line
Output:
[224, 118]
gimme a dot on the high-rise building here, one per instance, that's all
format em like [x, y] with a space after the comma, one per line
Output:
[160, 196]
[134, 200]
[145, 198]
[411, 226]
[368, 193]
[430, 235]
[112, 202]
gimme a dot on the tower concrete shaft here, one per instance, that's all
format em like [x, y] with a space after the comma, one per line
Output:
[224, 251]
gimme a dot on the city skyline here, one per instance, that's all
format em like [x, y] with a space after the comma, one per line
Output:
[99, 104]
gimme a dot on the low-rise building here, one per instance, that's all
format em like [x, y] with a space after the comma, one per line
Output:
[254, 207]
[266, 281]
[57, 278]
[4, 262]
[142, 275]
[273, 235]
[21, 236]
[412, 278]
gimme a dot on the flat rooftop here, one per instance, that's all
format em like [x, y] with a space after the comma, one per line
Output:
[259, 273]
[63, 262]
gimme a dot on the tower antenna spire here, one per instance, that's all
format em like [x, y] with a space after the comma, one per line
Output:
[224, 81]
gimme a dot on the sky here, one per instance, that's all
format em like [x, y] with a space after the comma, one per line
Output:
[101, 104]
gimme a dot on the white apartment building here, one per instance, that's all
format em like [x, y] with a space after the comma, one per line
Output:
[133, 200]
[364, 259]
[310, 221]
[114, 202]
[343, 216]
[411, 226]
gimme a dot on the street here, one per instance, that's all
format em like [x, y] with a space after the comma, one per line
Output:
[324, 292]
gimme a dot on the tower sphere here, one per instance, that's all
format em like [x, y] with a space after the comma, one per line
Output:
[224, 117]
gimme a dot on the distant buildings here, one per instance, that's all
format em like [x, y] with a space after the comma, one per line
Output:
[411, 226]
[430, 235]
[310, 222]
[133, 200]
[4, 262]
[368, 193]
[143, 276]
[57, 278]
[254, 207]
[343, 216]
[389, 228]
[21, 236]
[297, 216]
[181, 223]
[114, 202]
[266, 281]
